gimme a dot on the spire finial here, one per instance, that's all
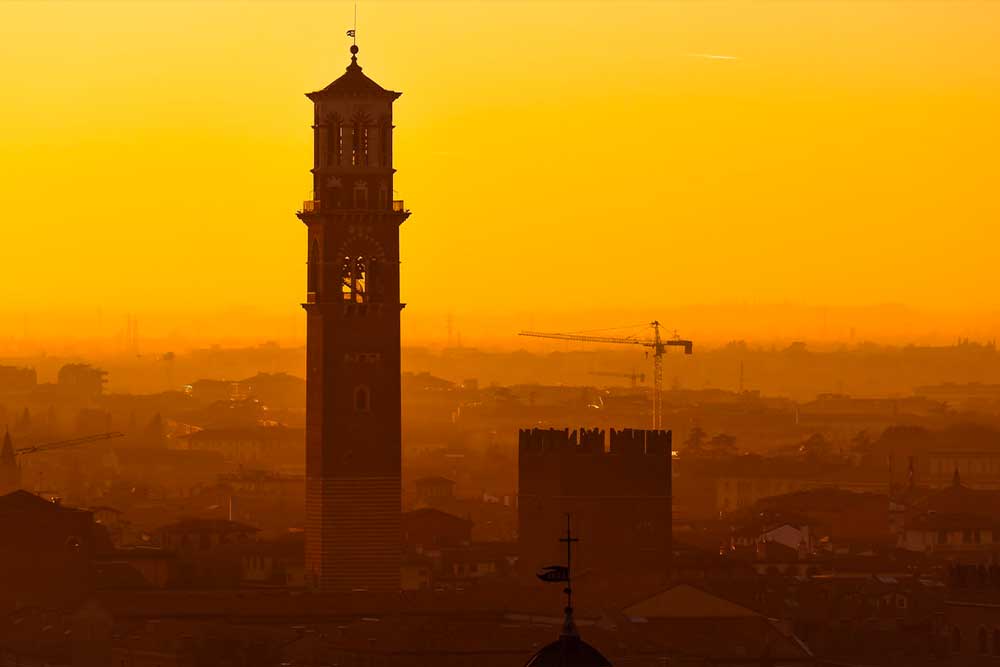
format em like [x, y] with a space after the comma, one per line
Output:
[569, 627]
[562, 574]
[353, 34]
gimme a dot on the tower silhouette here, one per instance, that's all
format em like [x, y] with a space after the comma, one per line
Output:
[353, 432]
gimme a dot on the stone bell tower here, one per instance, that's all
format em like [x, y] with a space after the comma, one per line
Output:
[353, 431]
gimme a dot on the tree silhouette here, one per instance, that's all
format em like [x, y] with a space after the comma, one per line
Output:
[695, 441]
[722, 444]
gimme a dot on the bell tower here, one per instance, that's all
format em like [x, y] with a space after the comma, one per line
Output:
[353, 430]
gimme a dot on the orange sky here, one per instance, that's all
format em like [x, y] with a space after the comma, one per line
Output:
[568, 165]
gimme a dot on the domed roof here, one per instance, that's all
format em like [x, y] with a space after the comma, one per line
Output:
[568, 651]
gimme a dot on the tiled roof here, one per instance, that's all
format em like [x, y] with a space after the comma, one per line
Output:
[353, 83]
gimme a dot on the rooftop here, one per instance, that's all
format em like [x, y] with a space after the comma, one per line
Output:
[353, 83]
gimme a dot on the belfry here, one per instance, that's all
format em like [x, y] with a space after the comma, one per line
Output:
[353, 430]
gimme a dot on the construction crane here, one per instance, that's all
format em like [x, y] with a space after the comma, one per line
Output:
[656, 343]
[634, 377]
[63, 444]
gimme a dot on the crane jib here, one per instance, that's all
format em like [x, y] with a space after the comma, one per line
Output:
[658, 345]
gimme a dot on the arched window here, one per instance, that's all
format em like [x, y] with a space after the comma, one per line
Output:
[996, 641]
[360, 280]
[360, 123]
[339, 143]
[347, 279]
[984, 641]
[362, 399]
[312, 280]
[383, 142]
[355, 285]
[356, 145]
[956, 639]
[335, 139]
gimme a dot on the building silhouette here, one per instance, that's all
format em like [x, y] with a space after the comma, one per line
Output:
[353, 431]
[47, 551]
[10, 469]
[618, 496]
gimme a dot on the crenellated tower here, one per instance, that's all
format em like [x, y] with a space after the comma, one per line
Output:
[353, 430]
[619, 497]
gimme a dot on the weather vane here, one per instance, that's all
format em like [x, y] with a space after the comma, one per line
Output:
[562, 573]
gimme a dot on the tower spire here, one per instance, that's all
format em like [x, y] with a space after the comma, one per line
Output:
[353, 34]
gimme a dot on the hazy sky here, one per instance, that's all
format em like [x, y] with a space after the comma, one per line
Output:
[568, 164]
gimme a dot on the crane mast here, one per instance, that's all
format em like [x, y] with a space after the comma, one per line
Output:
[657, 344]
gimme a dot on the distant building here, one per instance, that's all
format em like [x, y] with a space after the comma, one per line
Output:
[213, 391]
[277, 562]
[740, 484]
[273, 445]
[456, 566]
[429, 528]
[619, 498]
[949, 534]
[956, 523]
[134, 567]
[971, 629]
[979, 468]
[840, 515]
[209, 551]
[973, 396]
[434, 491]
[189, 537]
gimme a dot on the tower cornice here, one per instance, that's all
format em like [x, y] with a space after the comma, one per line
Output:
[353, 216]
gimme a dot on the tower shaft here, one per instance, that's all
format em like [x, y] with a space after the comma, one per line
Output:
[353, 426]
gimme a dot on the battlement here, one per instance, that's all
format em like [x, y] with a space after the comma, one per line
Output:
[625, 442]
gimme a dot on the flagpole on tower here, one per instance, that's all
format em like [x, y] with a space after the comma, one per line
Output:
[353, 32]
